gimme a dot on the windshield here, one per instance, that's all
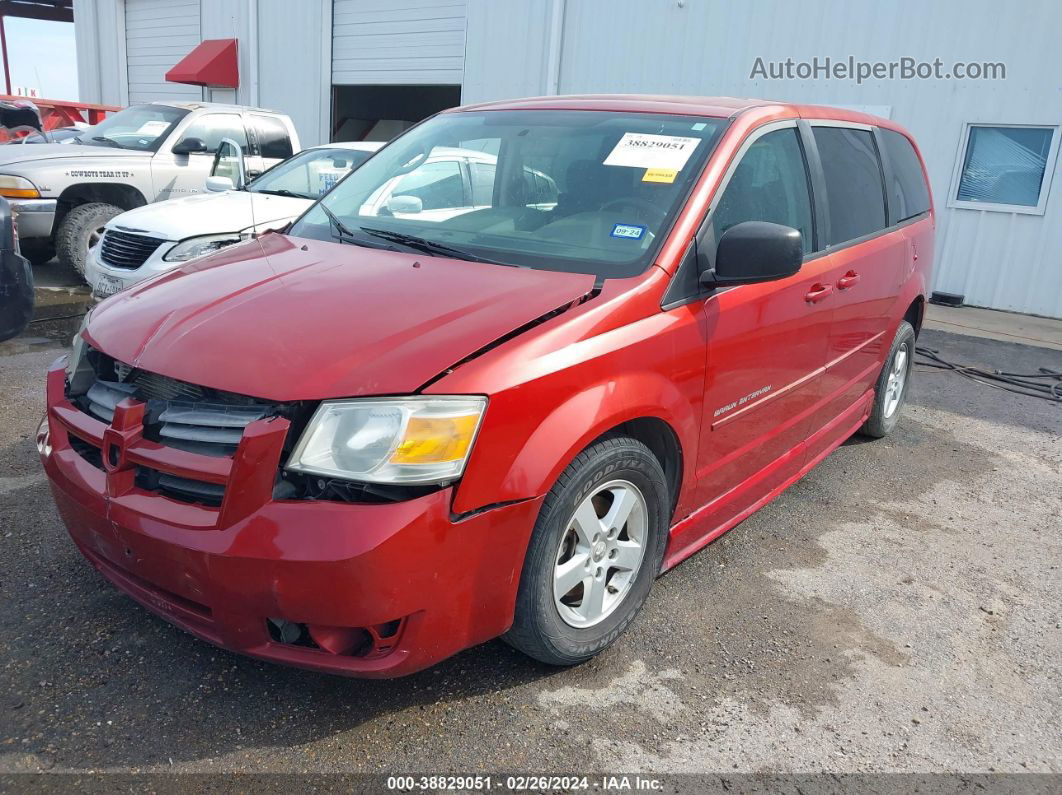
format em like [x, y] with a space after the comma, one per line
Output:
[142, 127]
[581, 191]
[309, 174]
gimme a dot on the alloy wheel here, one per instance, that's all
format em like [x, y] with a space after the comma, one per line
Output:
[600, 553]
[896, 381]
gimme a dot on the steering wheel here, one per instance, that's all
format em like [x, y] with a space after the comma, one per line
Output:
[649, 211]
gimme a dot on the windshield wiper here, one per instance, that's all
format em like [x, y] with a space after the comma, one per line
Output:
[104, 140]
[284, 192]
[342, 232]
[429, 246]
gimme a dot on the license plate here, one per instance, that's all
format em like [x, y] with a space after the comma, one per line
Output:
[107, 286]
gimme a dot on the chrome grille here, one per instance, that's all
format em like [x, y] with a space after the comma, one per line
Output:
[127, 250]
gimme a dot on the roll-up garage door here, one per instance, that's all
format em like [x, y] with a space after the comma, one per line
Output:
[159, 33]
[398, 42]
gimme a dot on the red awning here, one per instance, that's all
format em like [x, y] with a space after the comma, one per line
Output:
[211, 63]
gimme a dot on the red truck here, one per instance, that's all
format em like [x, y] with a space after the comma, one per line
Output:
[503, 400]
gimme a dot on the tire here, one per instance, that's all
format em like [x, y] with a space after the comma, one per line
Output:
[38, 252]
[79, 230]
[611, 473]
[885, 412]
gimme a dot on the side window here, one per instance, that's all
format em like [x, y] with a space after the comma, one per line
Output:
[769, 184]
[855, 191]
[214, 126]
[908, 194]
[482, 183]
[274, 142]
[438, 185]
[541, 190]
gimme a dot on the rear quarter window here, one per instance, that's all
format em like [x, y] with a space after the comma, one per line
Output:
[274, 142]
[855, 190]
[908, 194]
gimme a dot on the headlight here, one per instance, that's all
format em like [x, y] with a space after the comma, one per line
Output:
[17, 188]
[390, 440]
[199, 246]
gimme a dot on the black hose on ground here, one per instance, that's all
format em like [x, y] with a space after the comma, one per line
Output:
[1045, 384]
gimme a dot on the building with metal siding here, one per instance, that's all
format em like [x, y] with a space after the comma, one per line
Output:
[323, 62]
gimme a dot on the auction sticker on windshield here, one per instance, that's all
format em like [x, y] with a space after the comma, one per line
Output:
[643, 150]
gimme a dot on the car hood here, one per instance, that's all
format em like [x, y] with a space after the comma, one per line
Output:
[210, 213]
[24, 153]
[288, 319]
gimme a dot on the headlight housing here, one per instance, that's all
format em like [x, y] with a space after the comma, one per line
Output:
[79, 372]
[77, 347]
[12, 187]
[204, 244]
[412, 440]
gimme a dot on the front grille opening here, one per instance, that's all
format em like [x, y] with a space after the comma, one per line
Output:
[375, 641]
[86, 450]
[177, 488]
[127, 250]
[177, 414]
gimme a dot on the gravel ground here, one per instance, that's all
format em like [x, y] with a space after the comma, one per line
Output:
[896, 610]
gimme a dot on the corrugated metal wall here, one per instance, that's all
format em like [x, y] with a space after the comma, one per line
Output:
[158, 33]
[294, 65]
[396, 42]
[1001, 260]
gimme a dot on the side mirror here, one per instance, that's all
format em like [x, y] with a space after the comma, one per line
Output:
[405, 204]
[187, 146]
[755, 251]
[216, 184]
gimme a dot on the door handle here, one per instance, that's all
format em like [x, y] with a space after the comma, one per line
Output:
[818, 293]
[850, 279]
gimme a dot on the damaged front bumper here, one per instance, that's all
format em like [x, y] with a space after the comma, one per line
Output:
[373, 590]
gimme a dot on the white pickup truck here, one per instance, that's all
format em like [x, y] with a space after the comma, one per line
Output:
[64, 194]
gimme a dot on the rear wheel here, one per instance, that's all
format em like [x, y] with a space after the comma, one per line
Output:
[80, 230]
[594, 553]
[890, 392]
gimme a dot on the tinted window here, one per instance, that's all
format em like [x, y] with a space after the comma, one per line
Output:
[215, 126]
[769, 184]
[854, 188]
[908, 194]
[273, 138]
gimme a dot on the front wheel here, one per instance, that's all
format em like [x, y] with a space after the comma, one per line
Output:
[594, 553]
[890, 392]
[80, 230]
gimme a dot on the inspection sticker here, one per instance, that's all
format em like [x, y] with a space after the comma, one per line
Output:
[642, 150]
[659, 175]
[628, 231]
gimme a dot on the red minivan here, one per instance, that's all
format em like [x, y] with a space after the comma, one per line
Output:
[529, 356]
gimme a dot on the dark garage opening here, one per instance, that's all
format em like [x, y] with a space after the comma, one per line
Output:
[379, 113]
